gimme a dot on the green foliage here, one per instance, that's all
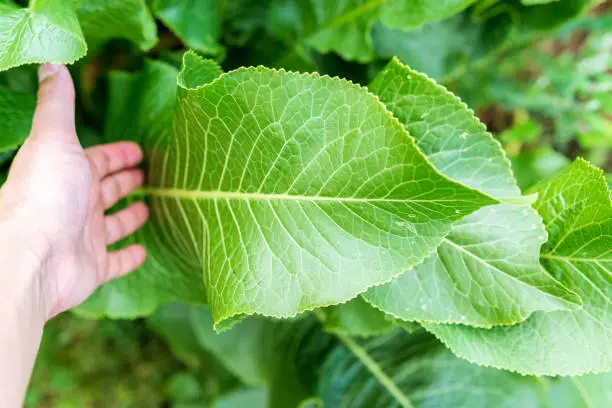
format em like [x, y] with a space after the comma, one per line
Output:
[577, 211]
[390, 211]
[16, 118]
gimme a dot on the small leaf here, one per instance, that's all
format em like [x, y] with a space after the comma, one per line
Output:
[47, 31]
[577, 211]
[196, 22]
[356, 318]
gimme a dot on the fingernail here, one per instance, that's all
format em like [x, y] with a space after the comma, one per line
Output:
[46, 70]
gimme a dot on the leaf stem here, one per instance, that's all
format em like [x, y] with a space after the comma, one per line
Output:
[375, 369]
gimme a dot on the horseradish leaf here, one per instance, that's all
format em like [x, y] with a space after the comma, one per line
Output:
[288, 192]
[486, 271]
[577, 211]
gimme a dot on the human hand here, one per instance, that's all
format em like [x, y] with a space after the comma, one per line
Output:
[55, 200]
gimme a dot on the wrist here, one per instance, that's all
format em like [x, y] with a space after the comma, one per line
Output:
[22, 260]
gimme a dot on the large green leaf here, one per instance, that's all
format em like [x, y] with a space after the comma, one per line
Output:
[245, 350]
[402, 370]
[486, 271]
[345, 26]
[196, 22]
[282, 355]
[173, 323]
[577, 211]
[47, 31]
[16, 112]
[102, 20]
[257, 193]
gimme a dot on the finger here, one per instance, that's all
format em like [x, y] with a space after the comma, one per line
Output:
[125, 222]
[117, 186]
[54, 114]
[124, 261]
[110, 158]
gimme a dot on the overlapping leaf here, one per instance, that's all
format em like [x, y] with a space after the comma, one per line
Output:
[402, 370]
[577, 211]
[55, 30]
[486, 271]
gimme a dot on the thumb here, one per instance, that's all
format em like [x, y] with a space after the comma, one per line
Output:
[54, 115]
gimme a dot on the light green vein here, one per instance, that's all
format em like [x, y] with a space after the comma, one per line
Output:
[223, 195]
[376, 370]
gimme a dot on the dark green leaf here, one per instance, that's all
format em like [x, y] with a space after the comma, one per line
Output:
[196, 22]
[402, 370]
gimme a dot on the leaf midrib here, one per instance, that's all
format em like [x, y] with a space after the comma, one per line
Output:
[224, 195]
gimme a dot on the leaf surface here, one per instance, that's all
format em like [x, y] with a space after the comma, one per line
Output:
[196, 22]
[402, 370]
[586, 391]
[577, 211]
[141, 107]
[16, 113]
[282, 355]
[356, 318]
[486, 271]
[102, 20]
[48, 31]
[257, 192]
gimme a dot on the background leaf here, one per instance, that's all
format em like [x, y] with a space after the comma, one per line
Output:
[196, 22]
[16, 113]
[403, 370]
[577, 211]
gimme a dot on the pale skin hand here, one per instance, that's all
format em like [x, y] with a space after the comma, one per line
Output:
[54, 231]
